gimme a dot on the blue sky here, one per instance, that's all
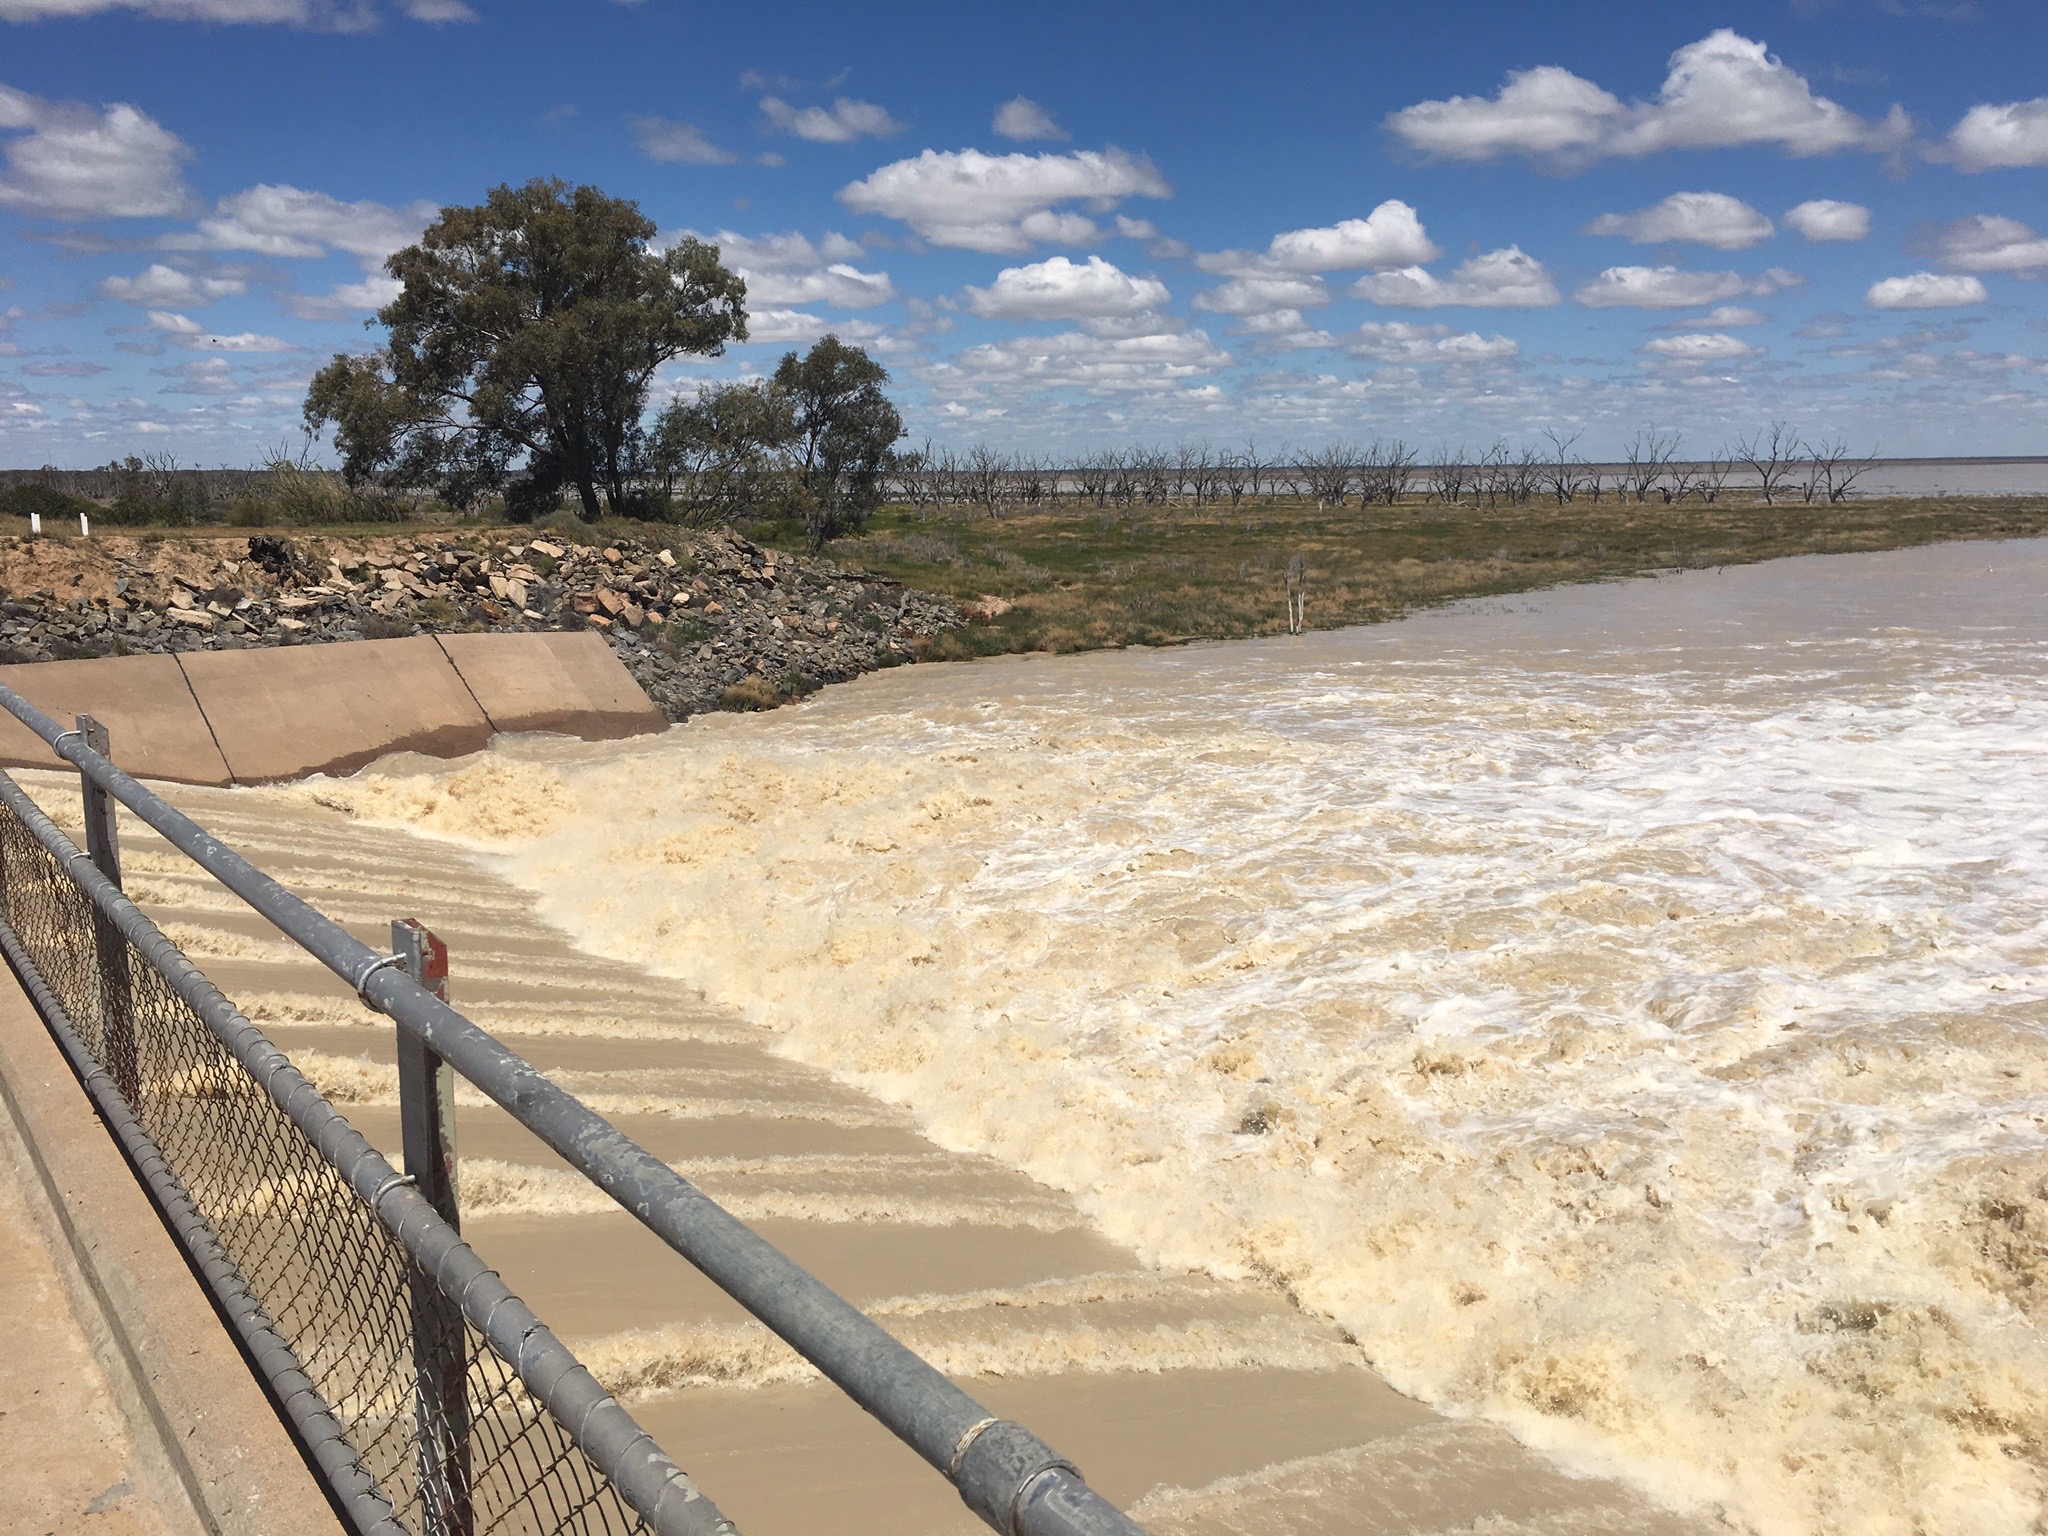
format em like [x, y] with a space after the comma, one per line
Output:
[1065, 227]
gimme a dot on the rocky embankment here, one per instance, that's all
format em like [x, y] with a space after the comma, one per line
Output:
[703, 621]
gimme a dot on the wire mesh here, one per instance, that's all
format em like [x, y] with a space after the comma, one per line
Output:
[436, 1418]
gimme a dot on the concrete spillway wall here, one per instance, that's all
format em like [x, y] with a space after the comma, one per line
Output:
[248, 717]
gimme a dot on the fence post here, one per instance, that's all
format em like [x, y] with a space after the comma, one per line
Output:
[426, 1113]
[117, 990]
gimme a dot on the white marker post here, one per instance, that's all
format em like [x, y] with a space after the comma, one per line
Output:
[35, 525]
[84, 528]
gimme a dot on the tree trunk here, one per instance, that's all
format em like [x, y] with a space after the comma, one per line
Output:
[586, 492]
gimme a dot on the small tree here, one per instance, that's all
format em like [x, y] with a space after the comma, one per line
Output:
[1770, 457]
[524, 340]
[721, 455]
[844, 428]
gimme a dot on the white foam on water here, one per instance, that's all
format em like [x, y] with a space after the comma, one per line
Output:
[1624, 1014]
[790, 1191]
[643, 1363]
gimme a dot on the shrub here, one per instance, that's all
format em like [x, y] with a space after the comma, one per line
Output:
[55, 506]
[751, 693]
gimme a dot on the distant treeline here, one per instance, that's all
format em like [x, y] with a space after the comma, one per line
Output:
[156, 491]
[1774, 465]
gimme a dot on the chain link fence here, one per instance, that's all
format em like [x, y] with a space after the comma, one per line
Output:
[425, 1424]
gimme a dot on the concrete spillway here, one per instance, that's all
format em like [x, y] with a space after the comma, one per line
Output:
[254, 716]
[1179, 1392]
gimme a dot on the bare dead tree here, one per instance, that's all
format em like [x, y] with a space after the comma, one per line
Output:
[985, 474]
[1387, 472]
[1713, 476]
[1231, 474]
[1209, 476]
[1685, 481]
[1256, 469]
[1297, 593]
[1833, 471]
[1183, 473]
[1646, 459]
[1031, 480]
[903, 478]
[1770, 456]
[1285, 476]
[1081, 479]
[1488, 473]
[1449, 475]
[1562, 470]
[1328, 472]
[1523, 474]
[1158, 469]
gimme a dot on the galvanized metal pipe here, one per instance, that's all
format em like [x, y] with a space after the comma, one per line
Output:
[1014, 1481]
[615, 1443]
[362, 1502]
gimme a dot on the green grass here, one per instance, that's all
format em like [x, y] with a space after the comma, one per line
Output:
[1081, 579]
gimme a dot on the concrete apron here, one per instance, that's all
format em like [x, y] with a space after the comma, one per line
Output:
[254, 716]
[125, 1405]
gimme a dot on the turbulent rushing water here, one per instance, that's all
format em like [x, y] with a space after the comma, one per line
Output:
[1623, 1009]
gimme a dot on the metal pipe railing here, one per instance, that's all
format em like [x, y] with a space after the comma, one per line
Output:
[644, 1475]
[1013, 1480]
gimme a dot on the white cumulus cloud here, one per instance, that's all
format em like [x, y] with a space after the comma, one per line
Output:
[1720, 92]
[1283, 330]
[322, 15]
[79, 162]
[1824, 219]
[1721, 317]
[297, 13]
[1711, 347]
[1509, 278]
[344, 301]
[1022, 118]
[1003, 204]
[840, 284]
[1390, 236]
[676, 143]
[789, 269]
[1077, 360]
[841, 123]
[1926, 290]
[784, 326]
[1402, 341]
[1672, 287]
[284, 221]
[1690, 218]
[781, 327]
[792, 252]
[1265, 295]
[2001, 136]
[1986, 242]
[1059, 289]
[184, 331]
[160, 287]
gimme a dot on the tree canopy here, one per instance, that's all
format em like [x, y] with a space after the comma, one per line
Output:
[809, 444]
[522, 347]
[844, 429]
